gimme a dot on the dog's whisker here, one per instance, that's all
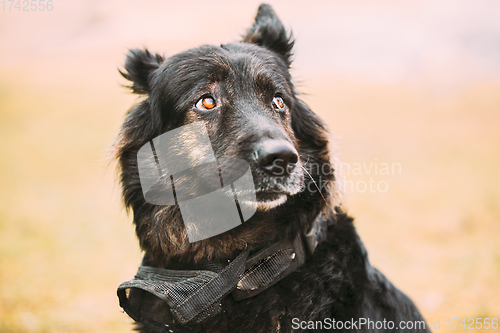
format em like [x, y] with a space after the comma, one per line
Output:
[314, 150]
[310, 156]
[314, 182]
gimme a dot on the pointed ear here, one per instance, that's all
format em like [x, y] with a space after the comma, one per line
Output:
[269, 32]
[139, 66]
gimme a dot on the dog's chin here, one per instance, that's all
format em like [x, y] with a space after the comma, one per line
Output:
[266, 202]
[271, 195]
[270, 203]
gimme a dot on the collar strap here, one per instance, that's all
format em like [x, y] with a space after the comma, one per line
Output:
[269, 266]
[190, 294]
[195, 295]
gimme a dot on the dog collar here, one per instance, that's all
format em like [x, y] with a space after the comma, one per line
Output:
[195, 295]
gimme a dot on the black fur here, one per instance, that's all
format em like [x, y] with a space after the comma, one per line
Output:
[337, 281]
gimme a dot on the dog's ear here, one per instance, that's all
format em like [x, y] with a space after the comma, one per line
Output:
[309, 129]
[269, 32]
[139, 66]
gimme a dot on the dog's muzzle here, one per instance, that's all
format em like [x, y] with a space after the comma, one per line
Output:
[195, 295]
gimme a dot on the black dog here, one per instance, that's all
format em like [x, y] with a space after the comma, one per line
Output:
[297, 264]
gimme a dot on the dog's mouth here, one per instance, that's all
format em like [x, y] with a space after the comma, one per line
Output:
[271, 192]
[253, 188]
[265, 201]
[270, 200]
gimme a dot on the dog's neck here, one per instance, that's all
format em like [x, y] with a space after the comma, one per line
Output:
[312, 232]
[243, 277]
[264, 229]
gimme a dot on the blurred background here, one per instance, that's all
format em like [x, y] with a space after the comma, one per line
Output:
[410, 89]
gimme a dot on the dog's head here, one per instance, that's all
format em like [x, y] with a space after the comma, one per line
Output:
[244, 94]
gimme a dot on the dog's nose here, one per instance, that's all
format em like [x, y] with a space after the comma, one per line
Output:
[276, 157]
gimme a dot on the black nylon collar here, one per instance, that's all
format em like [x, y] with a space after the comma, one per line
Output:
[194, 295]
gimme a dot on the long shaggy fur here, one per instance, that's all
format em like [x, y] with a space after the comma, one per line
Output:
[337, 281]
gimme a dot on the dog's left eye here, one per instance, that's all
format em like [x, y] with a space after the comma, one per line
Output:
[278, 103]
[206, 103]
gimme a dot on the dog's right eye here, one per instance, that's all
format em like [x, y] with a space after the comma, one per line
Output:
[206, 103]
[278, 103]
